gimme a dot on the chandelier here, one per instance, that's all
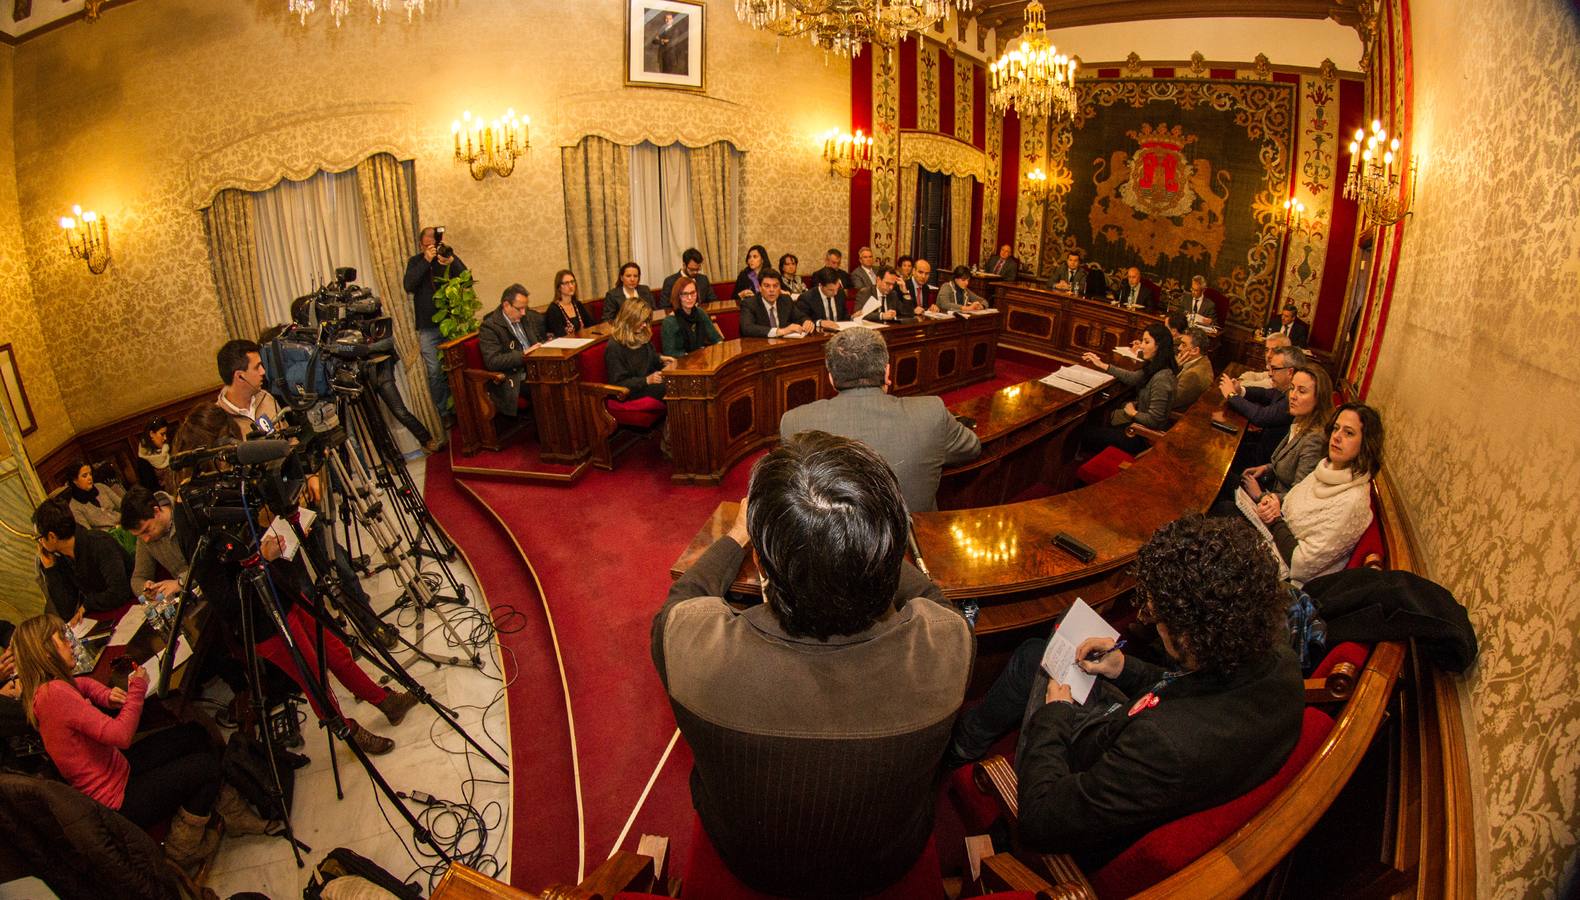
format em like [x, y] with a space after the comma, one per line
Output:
[841, 27]
[342, 8]
[1034, 77]
[1374, 177]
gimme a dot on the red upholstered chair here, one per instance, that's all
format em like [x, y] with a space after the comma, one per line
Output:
[1104, 465]
[475, 412]
[723, 290]
[594, 309]
[1371, 550]
[605, 409]
[1333, 680]
[728, 322]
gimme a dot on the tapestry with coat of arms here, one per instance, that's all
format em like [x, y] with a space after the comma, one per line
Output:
[1178, 178]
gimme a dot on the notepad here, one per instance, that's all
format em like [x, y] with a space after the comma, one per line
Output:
[1082, 375]
[566, 343]
[1247, 508]
[126, 629]
[1127, 353]
[84, 626]
[151, 666]
[1059, 662]
[1064, 384]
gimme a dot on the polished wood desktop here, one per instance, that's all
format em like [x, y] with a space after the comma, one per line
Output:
[725, 401]
[1004, 557]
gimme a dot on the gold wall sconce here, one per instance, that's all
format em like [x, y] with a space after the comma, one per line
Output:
[490, 146]
[87, 238]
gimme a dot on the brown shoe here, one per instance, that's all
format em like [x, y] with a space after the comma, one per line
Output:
[433, 446]
[190, 840]
[371, 744]
[238, 814]
[395, 705]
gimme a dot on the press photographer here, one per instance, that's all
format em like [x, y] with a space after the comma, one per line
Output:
[434, 259]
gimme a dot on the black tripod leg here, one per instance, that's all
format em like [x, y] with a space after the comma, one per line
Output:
[261, 711]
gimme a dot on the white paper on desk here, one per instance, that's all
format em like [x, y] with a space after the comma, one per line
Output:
[1247, 508]
[1064, 384]
[792, 335]
[937, 315]
[1082, 375]
[990, 311]
[1080, 623]
[861, 323]
[566, 343]
[867, 308]
[83, 626]
[1128, 353]
[183, 650]
[126, 629]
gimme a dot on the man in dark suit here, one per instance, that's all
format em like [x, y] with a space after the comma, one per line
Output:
[927, 291]
[1138, 293]
[916, 436]
[887, 304]
[1003, 265]
[866, 273]
[1266, 408]
[503, 339]
[834, 261]
[1198, 305]
[1071, 278]
[824, 305]
[690, 267]
[770, 313]
[1288, 322]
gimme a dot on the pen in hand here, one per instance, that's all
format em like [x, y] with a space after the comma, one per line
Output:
[1097, 655]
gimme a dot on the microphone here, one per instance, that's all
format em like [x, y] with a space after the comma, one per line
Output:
[248, 453]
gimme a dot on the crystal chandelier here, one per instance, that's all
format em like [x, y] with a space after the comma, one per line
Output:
[380, 7]
[342, 8]
[1033, 76]
[841, 27]
[1374, 177]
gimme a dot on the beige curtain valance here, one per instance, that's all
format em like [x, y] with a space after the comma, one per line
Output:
[666, 117]
[941, 153]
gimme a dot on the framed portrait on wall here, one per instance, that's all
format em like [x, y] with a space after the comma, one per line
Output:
[16, 397]
[664, 44]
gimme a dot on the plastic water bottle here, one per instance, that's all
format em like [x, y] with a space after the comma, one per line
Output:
[78, 652]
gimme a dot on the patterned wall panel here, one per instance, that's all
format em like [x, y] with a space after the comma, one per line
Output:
[1315, 182]
[927, 86]
[885, 153]
[1481, 403]
[964, 105]
[991, 188]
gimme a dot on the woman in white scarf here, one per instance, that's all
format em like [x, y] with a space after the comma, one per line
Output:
[1315, 526]
[153, 457]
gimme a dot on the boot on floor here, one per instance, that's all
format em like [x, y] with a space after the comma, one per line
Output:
[239, 816]
[189, 840]
[395, 705]
[371, 744]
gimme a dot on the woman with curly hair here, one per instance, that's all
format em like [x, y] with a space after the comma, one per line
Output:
[1153, 743]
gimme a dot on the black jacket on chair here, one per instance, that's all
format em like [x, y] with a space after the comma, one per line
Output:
[77, 846]
[1368, 606]
[501, 352]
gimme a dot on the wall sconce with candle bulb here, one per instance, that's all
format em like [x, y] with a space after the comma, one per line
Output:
[490, 146]
[87, 238]
[847, 154]
[1375, 173]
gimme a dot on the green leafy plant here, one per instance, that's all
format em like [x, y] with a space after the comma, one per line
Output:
[455, 305]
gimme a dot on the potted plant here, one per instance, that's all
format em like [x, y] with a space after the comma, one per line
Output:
[455, 305]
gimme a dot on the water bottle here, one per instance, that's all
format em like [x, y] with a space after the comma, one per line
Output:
[78, 652]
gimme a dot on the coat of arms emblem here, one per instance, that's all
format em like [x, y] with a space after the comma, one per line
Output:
[1158, 202]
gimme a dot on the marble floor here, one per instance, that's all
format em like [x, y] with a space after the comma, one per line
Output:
[428, 757]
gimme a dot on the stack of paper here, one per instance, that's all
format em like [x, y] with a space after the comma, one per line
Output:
[990, 311]
[1078, 379]
[566, 343]
[183, 650]
[861, 323]
[1127, 353]
[937, 315]
[1059, 661]
[131, 621]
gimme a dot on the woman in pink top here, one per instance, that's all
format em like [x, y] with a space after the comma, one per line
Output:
[87, 726]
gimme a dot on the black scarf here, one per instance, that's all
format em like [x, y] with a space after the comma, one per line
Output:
[691, 328]
[89, 496]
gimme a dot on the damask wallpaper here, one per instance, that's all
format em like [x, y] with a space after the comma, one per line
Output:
[144, 120]
[1482, 402]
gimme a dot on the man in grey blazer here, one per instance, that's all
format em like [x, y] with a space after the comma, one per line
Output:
[503, 339]
[916, 436]
[865, 275]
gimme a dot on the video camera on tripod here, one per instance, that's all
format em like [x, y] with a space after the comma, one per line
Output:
[248, 475]
[335, 331]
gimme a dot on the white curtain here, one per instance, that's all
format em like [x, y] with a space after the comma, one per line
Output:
[305, 230]
[662, 223]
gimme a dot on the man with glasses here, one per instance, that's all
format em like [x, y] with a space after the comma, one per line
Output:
[1266, 408]
[690, 267]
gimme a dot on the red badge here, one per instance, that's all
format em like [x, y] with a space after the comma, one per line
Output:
[1146, 701]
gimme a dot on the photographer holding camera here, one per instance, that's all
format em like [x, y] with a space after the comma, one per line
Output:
[434, 259]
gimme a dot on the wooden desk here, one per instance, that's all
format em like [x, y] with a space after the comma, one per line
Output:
[1003, 557]
[726, 400]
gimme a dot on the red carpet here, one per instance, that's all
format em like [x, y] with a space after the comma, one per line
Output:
[602, 548]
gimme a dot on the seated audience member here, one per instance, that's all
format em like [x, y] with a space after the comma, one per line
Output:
[629, 288]
[770, 314]
[153, 456]
[1154, 743]
[905, 281]
[1288, 323]
[630, 359]
[1003, 264]
[688, 328]
[1260, 378]
[173, 773]
[96, 506]
[923, 273]
[1154, 383]
[566, 316]
[915, 435]
[817, 780]
[748, 282]
[690, 267]
[146, 515]
[1297, 455]
[1195, 375]
[504, 338]
[1266, 408]
[886, 302]
[85, 570]
[1071, 278]
[866, 274]
[1197, 307]
[1133, 291]
[824, 304]
[789, 281]
[250, 407]
[833, 261]
[1316, 525]
[956, 294]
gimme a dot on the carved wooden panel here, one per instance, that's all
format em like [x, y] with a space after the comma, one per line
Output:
[1030, 322]
[981, 354]
[740, 416]
[948, 362]
[797, 390]
[905, 369]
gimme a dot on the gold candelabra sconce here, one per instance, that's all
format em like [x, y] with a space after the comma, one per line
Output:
[1296, 222]
[87, 238]
[1036, 185]
[846, 153]
[491, 146]
[1375, 175]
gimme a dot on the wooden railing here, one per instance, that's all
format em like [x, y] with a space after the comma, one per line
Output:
[115, 441]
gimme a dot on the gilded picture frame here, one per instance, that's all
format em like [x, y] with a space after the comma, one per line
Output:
[665, 44]
[16, 395]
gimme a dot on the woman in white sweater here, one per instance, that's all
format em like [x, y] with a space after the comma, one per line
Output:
[1316, 525]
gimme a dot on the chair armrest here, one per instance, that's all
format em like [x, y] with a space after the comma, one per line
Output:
[996, 777]
[1336, 688]
[1142, 431]
[483, 375]
[1005, 872]
[605, 391]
